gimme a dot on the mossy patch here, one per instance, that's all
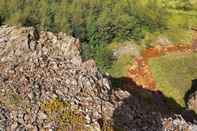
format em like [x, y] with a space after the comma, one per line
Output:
[61, 113]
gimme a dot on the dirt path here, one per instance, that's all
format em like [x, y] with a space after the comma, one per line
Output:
[140, 72]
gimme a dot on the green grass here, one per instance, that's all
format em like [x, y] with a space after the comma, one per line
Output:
[179, 22]
[174, 73]
[179, 36]
[120, 66]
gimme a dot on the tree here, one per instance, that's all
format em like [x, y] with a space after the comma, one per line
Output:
[94, 22]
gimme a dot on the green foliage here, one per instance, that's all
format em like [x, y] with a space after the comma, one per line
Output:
[103, 57]
[179, 4]
[174, 73]
[95, 22]
[178, 21]
[182, 13]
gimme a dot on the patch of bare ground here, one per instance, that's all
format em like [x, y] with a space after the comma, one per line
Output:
[140, 72]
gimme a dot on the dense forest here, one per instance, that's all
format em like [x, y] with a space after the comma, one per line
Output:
[99, 22]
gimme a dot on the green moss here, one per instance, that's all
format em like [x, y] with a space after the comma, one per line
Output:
[174, 73]
[63, 115]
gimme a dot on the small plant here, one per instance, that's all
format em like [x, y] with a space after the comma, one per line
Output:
[61, 113]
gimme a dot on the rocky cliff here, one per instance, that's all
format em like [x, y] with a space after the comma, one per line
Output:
[45, 85]
[37, 67]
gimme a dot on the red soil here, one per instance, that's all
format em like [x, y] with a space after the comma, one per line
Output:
[140, 72]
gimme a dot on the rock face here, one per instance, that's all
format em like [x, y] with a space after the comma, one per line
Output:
[178, 124]
[18, 44]
[37, 67]
[45, 85]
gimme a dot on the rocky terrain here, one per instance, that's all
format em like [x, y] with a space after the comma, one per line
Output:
[45, 85]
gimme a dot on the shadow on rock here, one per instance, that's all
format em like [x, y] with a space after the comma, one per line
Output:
[191, 97]
[142, 109]
[192, 90]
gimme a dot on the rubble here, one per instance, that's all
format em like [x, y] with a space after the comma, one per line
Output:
[37, 67]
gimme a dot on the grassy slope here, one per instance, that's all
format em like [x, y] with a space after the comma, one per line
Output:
[120, 66]
[173, 74]
[178, 23]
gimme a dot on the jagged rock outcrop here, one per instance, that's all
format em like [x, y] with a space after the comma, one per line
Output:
[18, 44]
[37, 67]
[44, 84]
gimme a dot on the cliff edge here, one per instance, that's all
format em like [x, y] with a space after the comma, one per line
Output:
[45, 85]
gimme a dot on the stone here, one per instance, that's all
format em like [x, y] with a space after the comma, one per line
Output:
[43, 66]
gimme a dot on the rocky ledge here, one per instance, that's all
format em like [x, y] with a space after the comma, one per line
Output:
[45, 85]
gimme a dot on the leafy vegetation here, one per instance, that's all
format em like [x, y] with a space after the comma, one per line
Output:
[95, 22]
[174, 74]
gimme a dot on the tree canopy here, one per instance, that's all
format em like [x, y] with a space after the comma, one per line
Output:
[94, 22]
